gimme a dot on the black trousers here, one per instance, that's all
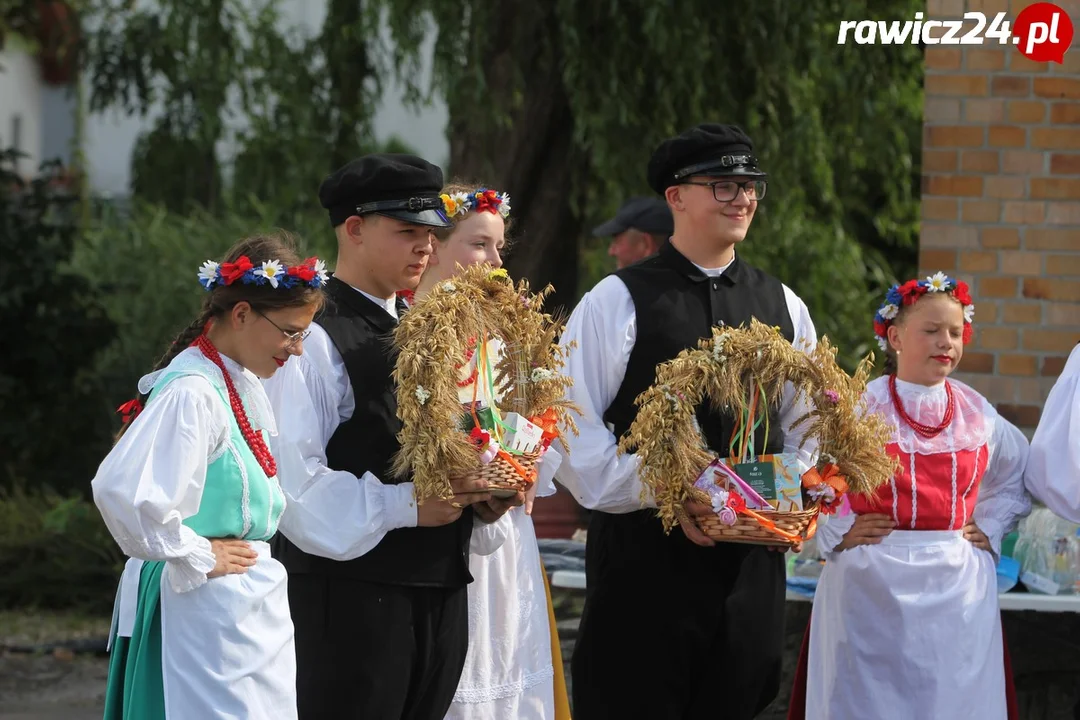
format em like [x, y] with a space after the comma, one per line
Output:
[366, 651]
[671, 631]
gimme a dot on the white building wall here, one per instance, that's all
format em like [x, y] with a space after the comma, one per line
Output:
[20, 105]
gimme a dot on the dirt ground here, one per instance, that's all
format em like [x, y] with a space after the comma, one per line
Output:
[62, 685]
[58, 684]
[41, 677]
[47, 687]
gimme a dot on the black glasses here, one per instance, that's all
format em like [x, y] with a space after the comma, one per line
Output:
[728, 190]
[292, 339]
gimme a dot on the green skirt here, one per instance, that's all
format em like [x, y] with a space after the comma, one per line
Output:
[135, 690]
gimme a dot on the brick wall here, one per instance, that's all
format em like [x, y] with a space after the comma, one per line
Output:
[1001, 204]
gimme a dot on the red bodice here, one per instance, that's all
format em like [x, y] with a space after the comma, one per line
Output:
[930, 492]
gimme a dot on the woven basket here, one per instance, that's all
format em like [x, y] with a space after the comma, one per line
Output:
[748, 530]
[502, 479]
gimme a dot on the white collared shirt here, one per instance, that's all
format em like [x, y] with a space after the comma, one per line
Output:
[333, 513]
[604, 325]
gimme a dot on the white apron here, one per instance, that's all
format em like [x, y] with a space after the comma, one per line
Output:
[226, 646]
[907, 630]
[508, 672]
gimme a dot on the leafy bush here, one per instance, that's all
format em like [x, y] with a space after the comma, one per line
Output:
[54, 417]
[55, 552]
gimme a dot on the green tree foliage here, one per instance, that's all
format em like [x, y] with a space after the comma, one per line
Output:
[17, 17]
[562, 102]
[54, 420]
[288, 107]
[177, 58]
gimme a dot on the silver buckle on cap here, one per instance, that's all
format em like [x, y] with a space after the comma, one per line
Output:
[725, 161]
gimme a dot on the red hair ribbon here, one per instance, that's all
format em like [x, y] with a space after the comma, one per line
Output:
[130, 410]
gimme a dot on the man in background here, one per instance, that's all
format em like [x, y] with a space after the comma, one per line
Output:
[638, 230]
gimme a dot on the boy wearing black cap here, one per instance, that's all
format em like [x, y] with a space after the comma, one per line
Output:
[637, 231]
[695, 627]
[377, 584]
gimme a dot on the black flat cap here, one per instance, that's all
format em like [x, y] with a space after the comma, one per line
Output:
[647, 214]
[710, 149]
[400, 186]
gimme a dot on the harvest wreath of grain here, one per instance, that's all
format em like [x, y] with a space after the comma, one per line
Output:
[435, 337]
[724, 368]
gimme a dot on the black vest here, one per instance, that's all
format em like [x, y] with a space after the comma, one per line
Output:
[366, 442]
[676, 305]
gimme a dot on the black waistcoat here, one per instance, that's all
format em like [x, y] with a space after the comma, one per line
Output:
[676, 305]
[366, 442]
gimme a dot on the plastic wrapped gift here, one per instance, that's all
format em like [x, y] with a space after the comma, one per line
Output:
[1048, 550]
[768, 482]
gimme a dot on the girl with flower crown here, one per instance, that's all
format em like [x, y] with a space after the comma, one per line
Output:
[905, 622]
[509, 670]
[201, 627]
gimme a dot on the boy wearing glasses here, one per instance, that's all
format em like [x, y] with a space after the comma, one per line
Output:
[717, 648]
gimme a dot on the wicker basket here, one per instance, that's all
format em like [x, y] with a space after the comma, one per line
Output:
[750, 531]
[503, 480]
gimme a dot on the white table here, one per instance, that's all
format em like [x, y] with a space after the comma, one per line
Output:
[571, 579]
[1039, 603]
[575, 580]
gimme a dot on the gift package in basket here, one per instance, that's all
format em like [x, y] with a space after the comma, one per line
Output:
[758, 498]
[479, 384]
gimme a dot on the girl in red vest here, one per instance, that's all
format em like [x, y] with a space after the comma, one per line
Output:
[905, 621]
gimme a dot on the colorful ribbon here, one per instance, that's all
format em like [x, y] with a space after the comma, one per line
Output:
[827, 486]
[528, 476]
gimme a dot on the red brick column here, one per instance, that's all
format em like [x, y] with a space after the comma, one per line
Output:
[1001, 204]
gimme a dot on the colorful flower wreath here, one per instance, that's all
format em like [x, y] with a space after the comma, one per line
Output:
[311, 272]
[910, 292]
[460, 203]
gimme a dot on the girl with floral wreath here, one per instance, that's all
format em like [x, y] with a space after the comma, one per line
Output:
[190, 493]
[509, 669]
[905, 622]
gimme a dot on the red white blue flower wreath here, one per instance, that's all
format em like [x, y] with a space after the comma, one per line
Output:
[909, 293]
[311, 272]
[460, 203]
